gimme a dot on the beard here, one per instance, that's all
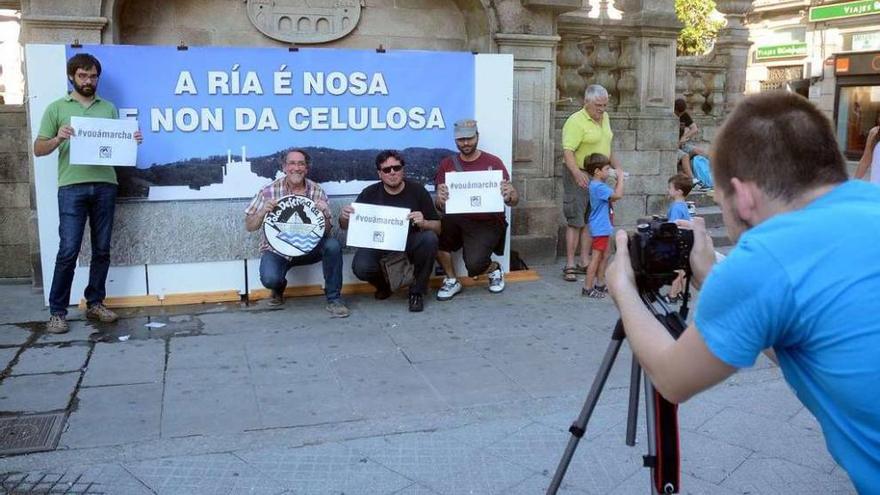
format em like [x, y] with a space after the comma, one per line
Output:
[295, 178]
[87, 90]
[467, 149]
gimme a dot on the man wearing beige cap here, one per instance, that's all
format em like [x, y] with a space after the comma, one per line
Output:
[478, 235]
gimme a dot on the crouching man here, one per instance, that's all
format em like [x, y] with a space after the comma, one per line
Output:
[274, 265]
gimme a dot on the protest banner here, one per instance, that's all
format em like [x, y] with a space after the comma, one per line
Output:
[378, 227]
[218, 120]
[103, 142]
[474, 192]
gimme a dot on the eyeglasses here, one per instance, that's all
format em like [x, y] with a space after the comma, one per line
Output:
[297, 163]
[392, 168]
[86, 77]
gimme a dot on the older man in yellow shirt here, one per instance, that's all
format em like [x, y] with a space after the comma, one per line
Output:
[585, 132]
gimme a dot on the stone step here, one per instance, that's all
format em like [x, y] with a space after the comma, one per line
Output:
[712, 215]
[701, 198]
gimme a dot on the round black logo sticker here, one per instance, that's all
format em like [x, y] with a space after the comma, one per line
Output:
[295, 226]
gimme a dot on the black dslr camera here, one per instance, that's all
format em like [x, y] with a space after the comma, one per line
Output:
[657, 249]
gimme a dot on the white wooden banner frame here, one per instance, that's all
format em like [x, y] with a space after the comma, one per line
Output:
[46, 82]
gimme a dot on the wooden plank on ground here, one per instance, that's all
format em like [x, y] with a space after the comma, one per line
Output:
[201, 297]
[308, 290]
[127, 301]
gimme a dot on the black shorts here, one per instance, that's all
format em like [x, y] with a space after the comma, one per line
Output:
[477, 239]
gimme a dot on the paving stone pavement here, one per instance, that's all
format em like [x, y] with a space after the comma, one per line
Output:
[472, 396]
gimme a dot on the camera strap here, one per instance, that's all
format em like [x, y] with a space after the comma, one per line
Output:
[457, 162]
[685, 297]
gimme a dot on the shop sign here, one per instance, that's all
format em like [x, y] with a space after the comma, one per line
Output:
[857, 64]
[781, 51]
[866, 41]
[844, 10]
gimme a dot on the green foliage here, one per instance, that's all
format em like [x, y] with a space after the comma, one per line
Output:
[699, 30]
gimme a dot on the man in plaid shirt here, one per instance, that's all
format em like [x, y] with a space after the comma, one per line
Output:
[274, 265]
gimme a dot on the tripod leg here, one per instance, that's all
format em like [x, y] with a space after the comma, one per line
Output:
[579, 427]
[632, 415]
[651, 426]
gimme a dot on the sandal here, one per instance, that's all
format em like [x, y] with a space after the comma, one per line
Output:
[580, 269]
[570, 274]
[593, 293]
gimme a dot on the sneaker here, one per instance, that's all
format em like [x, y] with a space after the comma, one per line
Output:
[496, 281]
[416, 304]
[57, 324]
[593, 293]
[451, 287]
[99, 312]
[337, 309]
[276, 300]
[602, 288]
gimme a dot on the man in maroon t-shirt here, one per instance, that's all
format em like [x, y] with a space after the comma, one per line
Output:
[478, 235]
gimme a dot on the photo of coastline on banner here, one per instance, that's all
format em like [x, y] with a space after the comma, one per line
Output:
[216, 120]
[378, 227]
[295, 226]
[107, 142]
[474, 192]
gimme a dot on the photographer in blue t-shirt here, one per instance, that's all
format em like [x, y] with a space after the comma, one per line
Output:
[801, 283]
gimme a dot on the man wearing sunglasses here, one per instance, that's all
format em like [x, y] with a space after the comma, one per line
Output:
[393, 189]
[478, 235]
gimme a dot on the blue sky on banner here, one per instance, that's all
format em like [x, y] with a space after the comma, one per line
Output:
[234, 97]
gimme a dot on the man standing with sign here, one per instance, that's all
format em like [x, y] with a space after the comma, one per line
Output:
[421, 242]
[84, 191]
[478, 235]
[274, 265]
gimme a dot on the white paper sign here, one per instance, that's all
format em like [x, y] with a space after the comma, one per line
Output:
[474, 192]
[378, 227]
[103, 142]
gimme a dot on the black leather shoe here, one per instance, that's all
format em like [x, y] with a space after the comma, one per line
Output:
[382, 294]
[415, 303]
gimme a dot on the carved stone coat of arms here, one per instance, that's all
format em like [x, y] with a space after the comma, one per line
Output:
[304, 21]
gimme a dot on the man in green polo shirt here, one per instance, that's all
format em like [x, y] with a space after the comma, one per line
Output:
[586, 131]
[84, 191]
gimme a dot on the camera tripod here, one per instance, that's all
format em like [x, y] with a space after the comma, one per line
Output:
[661, 415]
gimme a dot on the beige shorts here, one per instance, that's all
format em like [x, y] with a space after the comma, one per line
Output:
[575, 202]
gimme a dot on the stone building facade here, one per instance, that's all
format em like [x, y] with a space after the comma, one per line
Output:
[797, 46]
[559, 46]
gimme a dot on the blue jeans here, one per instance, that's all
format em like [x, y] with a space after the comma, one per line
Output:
[273, 268]
[97, 201]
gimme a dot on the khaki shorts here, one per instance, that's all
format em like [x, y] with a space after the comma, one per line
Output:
[575, 202]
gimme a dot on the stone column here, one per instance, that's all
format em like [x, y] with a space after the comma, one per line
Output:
[733, 46]
[644, 126]
[654, 29]
[50, 21]
[534, 73]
